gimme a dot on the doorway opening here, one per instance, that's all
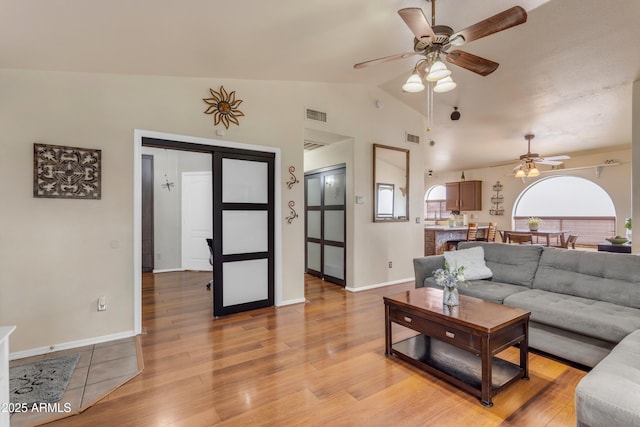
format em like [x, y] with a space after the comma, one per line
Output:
[243, 260]
[325, 219]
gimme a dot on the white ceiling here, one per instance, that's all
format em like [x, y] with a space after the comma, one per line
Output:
[564, 75]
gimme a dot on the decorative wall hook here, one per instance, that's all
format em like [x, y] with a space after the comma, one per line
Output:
[293, 215]
[293, 179]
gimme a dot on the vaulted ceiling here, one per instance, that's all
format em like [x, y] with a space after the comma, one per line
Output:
[565, 74]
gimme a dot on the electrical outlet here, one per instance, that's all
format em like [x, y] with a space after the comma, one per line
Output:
[390, 264]
[102, 303]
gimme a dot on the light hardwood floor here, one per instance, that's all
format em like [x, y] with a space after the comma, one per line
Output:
[316, 364]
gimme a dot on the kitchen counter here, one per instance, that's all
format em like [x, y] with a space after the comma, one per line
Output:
[436, 236]
[454, 228]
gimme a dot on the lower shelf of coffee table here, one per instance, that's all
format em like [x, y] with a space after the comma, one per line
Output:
[453, 364]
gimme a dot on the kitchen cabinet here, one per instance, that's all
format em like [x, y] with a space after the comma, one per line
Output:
[464, 196]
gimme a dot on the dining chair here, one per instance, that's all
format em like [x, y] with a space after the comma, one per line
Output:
[210, 245]
[520, 238]
[472, 234]
[571, 241]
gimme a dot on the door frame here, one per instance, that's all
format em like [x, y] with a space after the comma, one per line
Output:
[184, 141]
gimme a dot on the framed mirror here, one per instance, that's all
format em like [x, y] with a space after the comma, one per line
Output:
[390, 183]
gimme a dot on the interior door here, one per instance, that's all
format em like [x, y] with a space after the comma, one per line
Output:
[243, 225]
[197, 220]
[147, 214]
[325, 224]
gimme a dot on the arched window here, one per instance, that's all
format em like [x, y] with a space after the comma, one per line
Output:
[568, 203]
[435, 203]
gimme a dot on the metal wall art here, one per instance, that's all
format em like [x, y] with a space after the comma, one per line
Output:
[66, 172]
[497, 200]
[223, 106]
[293, 215]
[293, 179]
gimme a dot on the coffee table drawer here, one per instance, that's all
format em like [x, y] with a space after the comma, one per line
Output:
[453, 336]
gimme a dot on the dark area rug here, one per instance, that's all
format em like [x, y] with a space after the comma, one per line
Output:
[43, 381]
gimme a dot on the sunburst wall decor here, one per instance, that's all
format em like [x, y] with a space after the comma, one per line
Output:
[223, 106]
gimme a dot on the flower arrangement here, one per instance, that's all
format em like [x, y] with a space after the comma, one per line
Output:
[449, 279]
[534, 222]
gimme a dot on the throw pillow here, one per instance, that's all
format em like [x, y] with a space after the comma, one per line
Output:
[473, 261]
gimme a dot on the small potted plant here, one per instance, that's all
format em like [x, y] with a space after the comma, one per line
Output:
[627, 225]
[534, 223]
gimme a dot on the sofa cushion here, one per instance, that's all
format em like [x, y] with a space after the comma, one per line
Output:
[609, 394]
[598, 319]
[613, 278]
[483, 289]
[472, 259]
[514, 264]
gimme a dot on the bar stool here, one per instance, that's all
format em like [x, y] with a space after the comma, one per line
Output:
[491, 233]
[472, 233]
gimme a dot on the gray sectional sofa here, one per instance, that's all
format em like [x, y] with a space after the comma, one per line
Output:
[583, 304]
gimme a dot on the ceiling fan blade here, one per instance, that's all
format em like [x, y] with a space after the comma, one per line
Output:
[384, 59]
[549, 162]
[503, 20]
[472, 62]
[518, 167]
[417, 23]
[562, 157]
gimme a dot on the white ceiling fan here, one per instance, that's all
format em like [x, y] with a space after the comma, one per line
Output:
[527, 166]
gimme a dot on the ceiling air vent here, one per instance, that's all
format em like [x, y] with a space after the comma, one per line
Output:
[318, 116]
[412, 138]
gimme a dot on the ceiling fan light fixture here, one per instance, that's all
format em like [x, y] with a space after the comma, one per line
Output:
[413, 83]
[457, 40]
[533, 171]
[520, 173]
[445, 85]
[438, 71]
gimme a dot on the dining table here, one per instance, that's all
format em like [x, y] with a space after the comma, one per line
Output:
[546, 235]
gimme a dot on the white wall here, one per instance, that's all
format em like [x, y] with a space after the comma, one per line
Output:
[58, 256]
[635, 156]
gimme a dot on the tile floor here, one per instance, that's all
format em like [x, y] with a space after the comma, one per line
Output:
[101, 369]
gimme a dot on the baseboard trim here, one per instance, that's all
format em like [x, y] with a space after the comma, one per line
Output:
[168, 270]
[292, 301]
[379, 285]
[71, 344]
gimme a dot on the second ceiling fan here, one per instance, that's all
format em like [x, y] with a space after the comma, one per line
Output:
[433, 41]
[527, 166]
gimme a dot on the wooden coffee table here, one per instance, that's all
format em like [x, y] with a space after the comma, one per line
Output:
[460, 344]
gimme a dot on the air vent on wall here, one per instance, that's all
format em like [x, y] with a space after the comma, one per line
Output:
[318, 116]
[412, 138]
[309, 145]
